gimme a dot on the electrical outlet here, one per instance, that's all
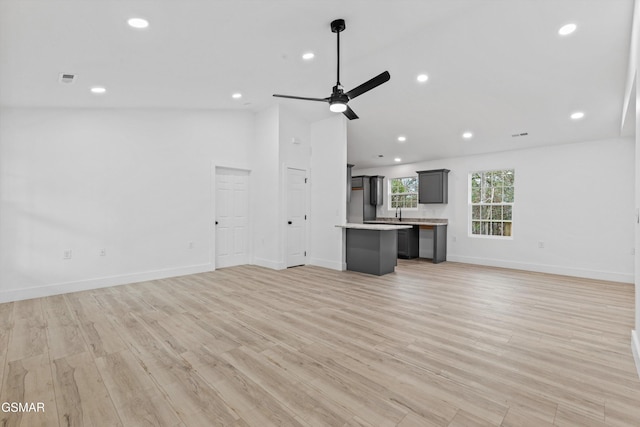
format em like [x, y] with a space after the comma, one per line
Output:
[633, 251]
[67, 254]
[454, 239]
[191, 245]
[541, 245]
[103, 252]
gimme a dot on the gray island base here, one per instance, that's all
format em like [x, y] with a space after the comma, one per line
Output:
[372, 248]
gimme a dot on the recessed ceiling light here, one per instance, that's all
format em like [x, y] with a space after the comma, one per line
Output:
[577, 115]
[467, 135]
[565, 30]
[308, 56]
[98, 90]
[236, 95]
[138, 23]
[402, 138]
[397, 159]
[422, 78]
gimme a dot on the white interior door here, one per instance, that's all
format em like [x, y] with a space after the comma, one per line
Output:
[296, 217]
[232, 217]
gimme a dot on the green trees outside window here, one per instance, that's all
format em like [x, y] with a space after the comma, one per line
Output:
[491, 199]
[404, 192]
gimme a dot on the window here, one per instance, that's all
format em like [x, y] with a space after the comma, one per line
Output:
[491, 201]
[404, 192]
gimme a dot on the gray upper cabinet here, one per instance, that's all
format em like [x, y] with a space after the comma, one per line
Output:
[433, 186]
[377, 190]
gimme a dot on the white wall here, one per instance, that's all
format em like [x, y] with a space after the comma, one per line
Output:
[328, 191]
[295, 152]
[265, 185]
[632, 91]
[295, 140]
[272, 152]
[635, 334]
[134, 182]
[576, 198]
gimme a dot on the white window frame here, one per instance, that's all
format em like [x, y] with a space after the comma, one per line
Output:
[490, 204]
[390, 187]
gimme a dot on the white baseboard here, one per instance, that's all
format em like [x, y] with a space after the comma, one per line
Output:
[326, 263]
[267, 263]
[635, 348]
[545, 268]
[101, 282]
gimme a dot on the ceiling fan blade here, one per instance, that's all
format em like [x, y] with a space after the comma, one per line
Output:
[350, 114]
[302, 97]
[368, 85]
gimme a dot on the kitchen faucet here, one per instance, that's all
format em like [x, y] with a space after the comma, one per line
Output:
[399, 218]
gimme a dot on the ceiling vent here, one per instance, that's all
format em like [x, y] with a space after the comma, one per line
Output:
[515, 135]
[67, 78]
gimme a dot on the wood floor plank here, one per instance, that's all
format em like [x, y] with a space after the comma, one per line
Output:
[6, 326]
[136, 397]
[430, 345]
[517, 418]
[28, 336]
[28, 381]
[299, 397]
[101, 338]
[81, 396]
[374, 408]
[254, 404]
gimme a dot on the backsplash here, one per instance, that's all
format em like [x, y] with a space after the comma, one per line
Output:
[432, 220]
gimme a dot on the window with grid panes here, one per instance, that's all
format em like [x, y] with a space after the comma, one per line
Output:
[491, 200]
[403, 192]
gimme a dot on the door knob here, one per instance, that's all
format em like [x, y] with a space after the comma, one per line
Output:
[216, 222]
[289, 222]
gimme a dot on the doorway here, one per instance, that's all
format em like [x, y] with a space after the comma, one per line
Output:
[231, 217]
[296, 217]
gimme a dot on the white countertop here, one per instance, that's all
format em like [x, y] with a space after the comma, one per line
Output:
[377, 227]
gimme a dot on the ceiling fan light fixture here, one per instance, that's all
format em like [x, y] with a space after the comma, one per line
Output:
[338, 107]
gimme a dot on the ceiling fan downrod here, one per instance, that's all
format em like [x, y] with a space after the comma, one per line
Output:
[337, 27]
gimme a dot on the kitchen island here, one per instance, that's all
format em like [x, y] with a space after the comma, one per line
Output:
[372, 248]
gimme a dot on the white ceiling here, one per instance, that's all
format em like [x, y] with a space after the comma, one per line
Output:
[496, 67]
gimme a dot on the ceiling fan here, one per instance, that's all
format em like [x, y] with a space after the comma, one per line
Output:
[339, 98]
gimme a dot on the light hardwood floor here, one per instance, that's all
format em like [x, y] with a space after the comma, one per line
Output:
[431, 345]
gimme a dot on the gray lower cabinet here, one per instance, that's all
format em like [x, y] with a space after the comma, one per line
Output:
[408, 243]
[439, 244]
[433, 186]
[371, 251]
